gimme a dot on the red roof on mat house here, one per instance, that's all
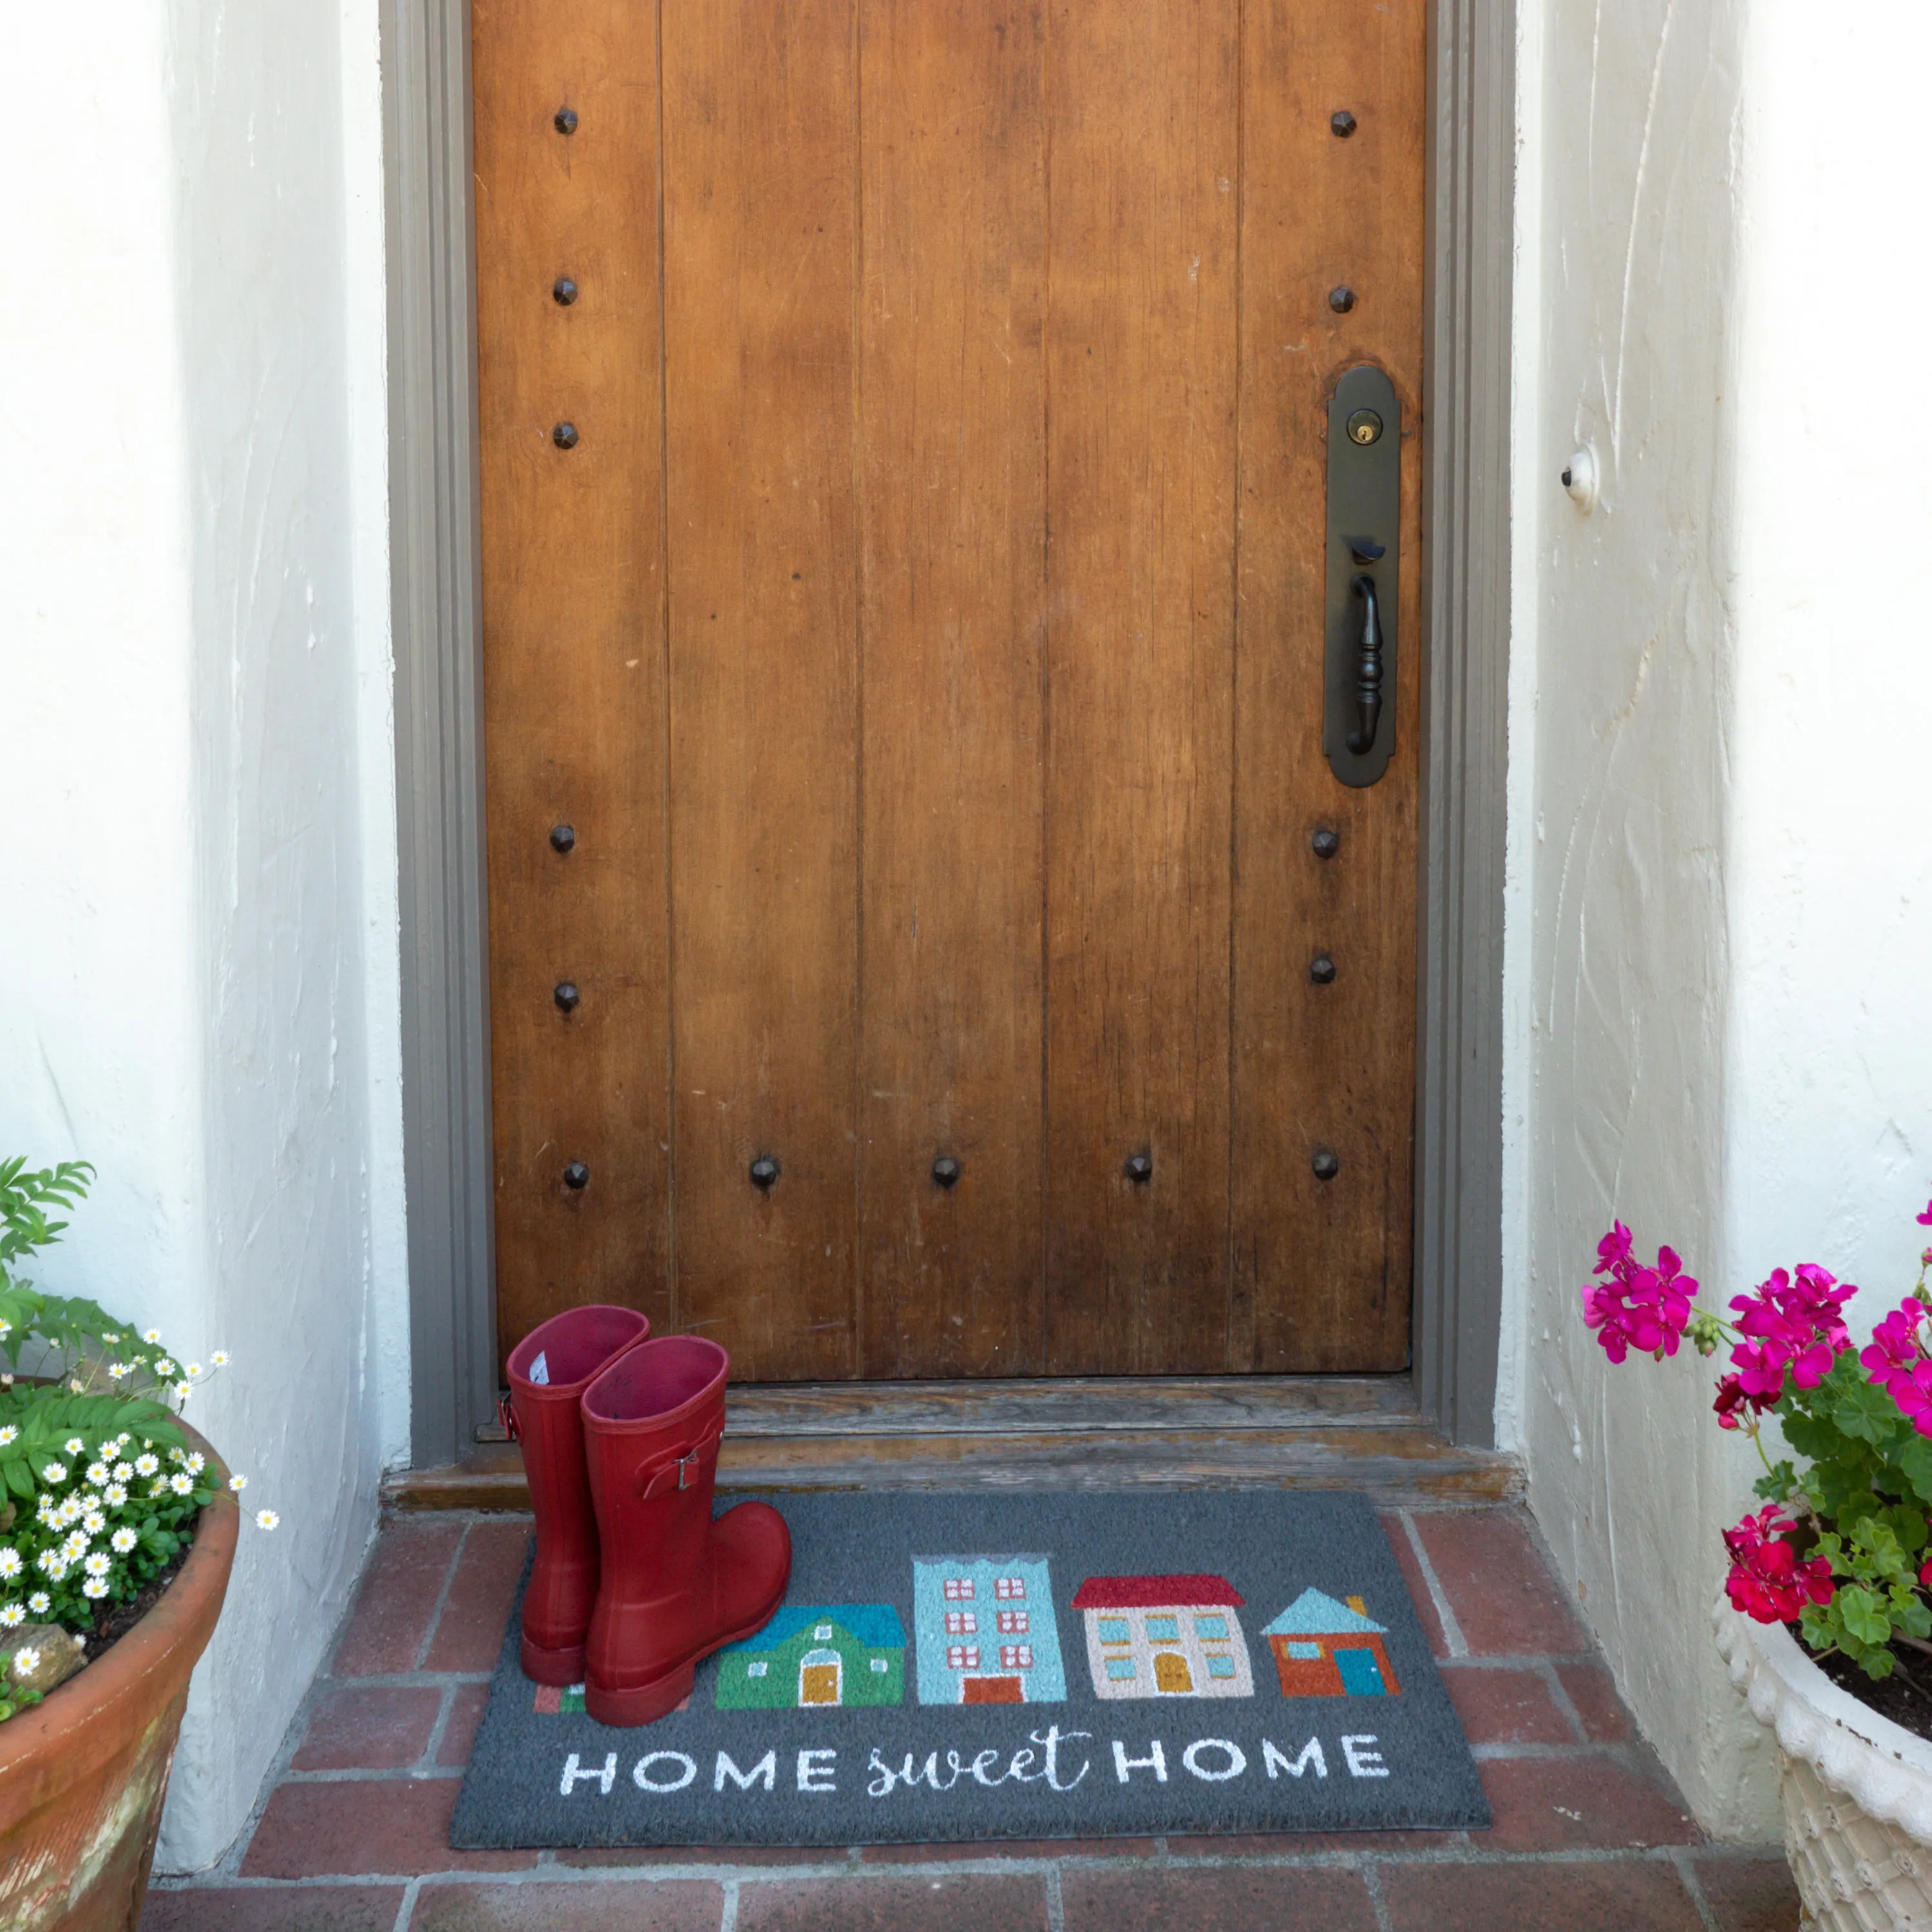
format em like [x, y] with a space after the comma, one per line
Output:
[1155, 1593]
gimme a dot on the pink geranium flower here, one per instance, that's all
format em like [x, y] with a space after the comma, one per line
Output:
[1638, 1307]
[1795, 1327]
[1767, 1580]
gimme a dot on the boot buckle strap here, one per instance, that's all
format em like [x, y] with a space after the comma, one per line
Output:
[689, 1468]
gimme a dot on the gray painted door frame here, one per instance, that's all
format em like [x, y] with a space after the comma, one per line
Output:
[433, 564]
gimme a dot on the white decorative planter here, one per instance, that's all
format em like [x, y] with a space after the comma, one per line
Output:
[1856, 1790]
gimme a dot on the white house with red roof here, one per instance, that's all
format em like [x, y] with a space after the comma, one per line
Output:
[1165, 1636]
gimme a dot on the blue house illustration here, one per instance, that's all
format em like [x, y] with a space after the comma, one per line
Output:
[984, 1632]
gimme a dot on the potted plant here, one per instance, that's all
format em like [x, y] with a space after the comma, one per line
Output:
[1826, 1614]
[118, 1526]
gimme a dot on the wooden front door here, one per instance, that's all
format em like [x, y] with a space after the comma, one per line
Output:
[903, 432]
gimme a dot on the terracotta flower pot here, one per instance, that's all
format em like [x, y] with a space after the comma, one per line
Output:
[82, 1774]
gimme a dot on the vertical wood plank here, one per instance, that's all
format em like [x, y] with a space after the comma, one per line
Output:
[953, 536]
[573, 657]
[1322, 1269]
[760, 264]
[1142, 363]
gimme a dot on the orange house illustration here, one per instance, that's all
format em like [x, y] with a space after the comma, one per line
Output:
[1323, 1648]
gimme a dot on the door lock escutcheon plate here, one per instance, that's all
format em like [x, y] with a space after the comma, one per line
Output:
[1364, 539]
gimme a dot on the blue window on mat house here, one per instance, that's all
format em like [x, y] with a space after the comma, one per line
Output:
[1163, 1630]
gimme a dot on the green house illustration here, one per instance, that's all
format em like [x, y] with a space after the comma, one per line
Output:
[829, 1653]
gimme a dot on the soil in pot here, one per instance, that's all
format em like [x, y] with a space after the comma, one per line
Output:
[1907, 1703]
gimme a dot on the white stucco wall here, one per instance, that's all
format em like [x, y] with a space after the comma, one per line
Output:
[1720, 886]
[198, 955]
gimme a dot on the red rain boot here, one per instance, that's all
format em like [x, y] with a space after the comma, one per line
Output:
[676, 1585]
[549, 1369]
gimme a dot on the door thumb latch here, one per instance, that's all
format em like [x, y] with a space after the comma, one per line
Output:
[1359, 680]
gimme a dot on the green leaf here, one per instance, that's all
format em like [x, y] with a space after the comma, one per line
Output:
[1866, 1412]
[1863, 1617]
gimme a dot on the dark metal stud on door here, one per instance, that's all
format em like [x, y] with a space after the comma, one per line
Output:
[565, 120]
[562, 837]
[1321, 970]
[946, 1171]
[563, 291]
[764, 1173]
[1325, 843]
[565, 436]
[1341, 124]
[1139, 1169]
[566, 997]
[577, 1176]
[1325, 1164]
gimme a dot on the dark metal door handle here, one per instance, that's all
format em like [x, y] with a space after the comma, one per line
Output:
[1368, 669]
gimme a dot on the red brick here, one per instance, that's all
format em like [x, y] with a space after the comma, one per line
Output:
[306, 1908]
[1594, 1694]
[372, 1729]
[637, 1905]
[400, 1588]
[1506, 1707]
[1577, 1803]
[1629, 1896]
[1227, 1899]
[469, 1636]
[1750, 1894]
[365, 1825]
[1305, 1844]
[1126, 1849]
[989, 1904]
[1418, 1584]
[459, 1736]
[1505, 1598]
[592, 1857]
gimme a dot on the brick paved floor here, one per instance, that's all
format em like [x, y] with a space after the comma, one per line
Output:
[352, 1834]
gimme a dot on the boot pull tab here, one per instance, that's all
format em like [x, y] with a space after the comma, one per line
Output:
[681, 1471]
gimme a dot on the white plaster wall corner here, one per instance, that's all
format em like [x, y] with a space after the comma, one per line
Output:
[1629, 349]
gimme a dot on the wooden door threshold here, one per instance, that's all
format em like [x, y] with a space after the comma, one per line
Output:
[1362, 1432]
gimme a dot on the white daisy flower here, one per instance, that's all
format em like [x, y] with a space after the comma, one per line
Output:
[159, 1486]
[116, 1371]
[110, 1338]
[181, 1483]
[74, 1548]
[99, 1564]
[94, 1586]
[74, 1446]
[97, 1473]
[123, 1539]
[40, 1602]
[94, 1522]
[12, 1616]
[219, 1358]
[196, 1463]
[123, 1471]
[56, 1569]
[266, 1519]
[163, 1365]
[151, 1334]
[182, 1389]
[54, 1472]
[7, 1435]
[234, 1482]
[146, 1466]
[75, 1383]
[26, 1660]
[177, 1454]
[6, 1328]
[11, 1564]
[115, 1494]
[194, 1371]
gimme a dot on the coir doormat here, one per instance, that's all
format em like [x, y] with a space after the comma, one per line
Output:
[950, 1666]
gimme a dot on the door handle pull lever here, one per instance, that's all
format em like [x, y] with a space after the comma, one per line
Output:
[1368, 669]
